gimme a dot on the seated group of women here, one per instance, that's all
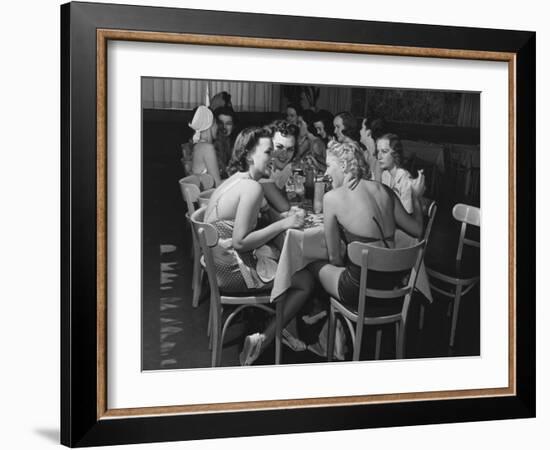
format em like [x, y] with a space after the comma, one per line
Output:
[258, 168]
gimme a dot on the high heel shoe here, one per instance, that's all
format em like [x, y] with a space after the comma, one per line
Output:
[251, 349]
[293, 342]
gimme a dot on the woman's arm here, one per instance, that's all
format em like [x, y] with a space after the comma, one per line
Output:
[411, 223]
[275, 197]
[211, 162]
[244, 239]
[332, 235]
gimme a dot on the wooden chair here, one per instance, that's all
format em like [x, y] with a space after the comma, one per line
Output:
[432, 210]
[379, 259]
[191, 190]
[460, 275]
[208, 237]
[204, 197]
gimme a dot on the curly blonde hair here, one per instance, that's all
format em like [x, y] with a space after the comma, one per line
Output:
[351, 159]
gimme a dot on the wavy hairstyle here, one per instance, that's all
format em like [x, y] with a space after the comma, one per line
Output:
[285, 128]
[351, 127]
[396, 147]
[245, 144]
[326, 118]
[351, 160]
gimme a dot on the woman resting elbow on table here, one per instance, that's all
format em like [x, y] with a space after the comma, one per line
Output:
[233, 210]
[373, 219]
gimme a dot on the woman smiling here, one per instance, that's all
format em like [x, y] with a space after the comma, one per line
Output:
[373, 219]
[233, 210]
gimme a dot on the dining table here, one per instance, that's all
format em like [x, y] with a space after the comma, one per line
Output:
[303, 246]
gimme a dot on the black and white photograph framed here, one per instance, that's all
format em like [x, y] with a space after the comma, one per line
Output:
[230, 193]
[303, 126]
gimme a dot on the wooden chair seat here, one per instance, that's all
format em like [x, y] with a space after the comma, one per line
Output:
[375, 309]
[463, 271]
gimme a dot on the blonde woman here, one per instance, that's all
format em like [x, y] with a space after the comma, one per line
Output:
[374, 217]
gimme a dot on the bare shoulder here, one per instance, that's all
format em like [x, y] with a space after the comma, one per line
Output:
[204, 147]
[376, 187]
[334, 198]
[250, 188]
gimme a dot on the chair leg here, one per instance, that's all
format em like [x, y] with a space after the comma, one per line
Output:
[219, 352]
[278, 331]
[421, 318]
[209, 329]
[215, 340]
[331, 333]
[400, 340]
[377, 345]
[456, 305]
[357, 343]
[396, 338]
[197, 279]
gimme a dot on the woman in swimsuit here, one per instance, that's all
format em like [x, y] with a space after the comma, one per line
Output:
[233, 210]
[375, 214]
[205, 159]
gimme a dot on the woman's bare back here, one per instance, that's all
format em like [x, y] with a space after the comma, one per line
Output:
[224, 202]
[357, 208]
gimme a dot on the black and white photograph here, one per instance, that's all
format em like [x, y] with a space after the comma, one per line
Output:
[300, 224]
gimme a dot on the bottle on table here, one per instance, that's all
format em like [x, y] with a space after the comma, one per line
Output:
[318, 193]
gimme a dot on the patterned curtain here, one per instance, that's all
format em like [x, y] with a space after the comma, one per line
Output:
[468, 114]
[167, 93]
[334, 99]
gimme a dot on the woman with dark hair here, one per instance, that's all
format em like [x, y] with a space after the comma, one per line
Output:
[370, 131]
[221, 99]
[293, 111]
[346, 127]
[233, 210]
[226, 120]
[374, 217]
[390, 159]
[323, 124]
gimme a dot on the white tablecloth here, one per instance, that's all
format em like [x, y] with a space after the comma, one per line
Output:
[301, 247]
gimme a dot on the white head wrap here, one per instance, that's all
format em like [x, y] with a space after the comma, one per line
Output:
[202, 120]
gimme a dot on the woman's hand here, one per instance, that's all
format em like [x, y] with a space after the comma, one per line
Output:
[418, 184]
[295, 220]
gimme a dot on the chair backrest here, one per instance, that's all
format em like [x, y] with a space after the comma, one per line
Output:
[190, 187]
[208, 237]
[204, 197]
[384, 259]
[380, 259]
[468, 215]
[432, 210]
[190, 190]
[209, 232]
